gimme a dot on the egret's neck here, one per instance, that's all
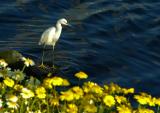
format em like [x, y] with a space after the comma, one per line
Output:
[58, 28]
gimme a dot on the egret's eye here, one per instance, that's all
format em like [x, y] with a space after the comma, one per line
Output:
[64, 22]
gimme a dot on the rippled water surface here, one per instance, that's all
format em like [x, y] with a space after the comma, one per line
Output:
[111, 40]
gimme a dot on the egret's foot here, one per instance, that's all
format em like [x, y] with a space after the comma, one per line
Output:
[42, 66]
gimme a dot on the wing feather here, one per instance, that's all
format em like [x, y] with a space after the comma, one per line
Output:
[47, 35]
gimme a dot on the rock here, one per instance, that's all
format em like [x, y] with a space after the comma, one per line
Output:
[11, 56]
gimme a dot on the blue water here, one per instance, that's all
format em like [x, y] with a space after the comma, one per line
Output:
[113, 41]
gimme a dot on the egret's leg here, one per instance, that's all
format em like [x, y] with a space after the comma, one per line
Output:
[43, 54]
[53, 57]
[42, 65]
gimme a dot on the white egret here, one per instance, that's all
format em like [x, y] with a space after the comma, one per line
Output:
[51, 35]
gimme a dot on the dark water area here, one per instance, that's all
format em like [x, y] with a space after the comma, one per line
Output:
[111, 40]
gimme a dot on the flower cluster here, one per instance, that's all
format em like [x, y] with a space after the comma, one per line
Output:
[55, 94]
[28, 62]
[3, 64]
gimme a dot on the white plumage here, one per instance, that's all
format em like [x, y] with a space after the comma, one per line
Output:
[47, 37]
[51, 35]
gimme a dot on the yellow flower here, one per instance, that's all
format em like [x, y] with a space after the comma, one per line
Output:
[88, 85]
[106, 87]
[17, 87]
[145, 99]
[1, 103]
[3, 63]
[88, 99]
[92, 87]
[57, 81]
[90, 108]
[114, 88]
[109, 100]
[28, 62]
[97, 89]
[67, 96]
[143, 110]
[144, 94]
[141, 100]
[54, 102]
[120, 99]
[8, 82]
[47, 83]
[26, 93]
[77, 92]
[157, 101]
[41, 92]
[151, 101]
[13, 105]
[65, 82]
[12, 98]
[124, 109]
[81, 75]
[72, 108]
[38, 111]
[11, 101]
[127, 91]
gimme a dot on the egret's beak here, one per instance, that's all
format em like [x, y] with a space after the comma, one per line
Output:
[69, 25]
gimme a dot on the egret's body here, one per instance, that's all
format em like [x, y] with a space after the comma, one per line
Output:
[51, 35]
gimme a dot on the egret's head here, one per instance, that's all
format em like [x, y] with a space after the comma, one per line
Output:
[63, 21]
